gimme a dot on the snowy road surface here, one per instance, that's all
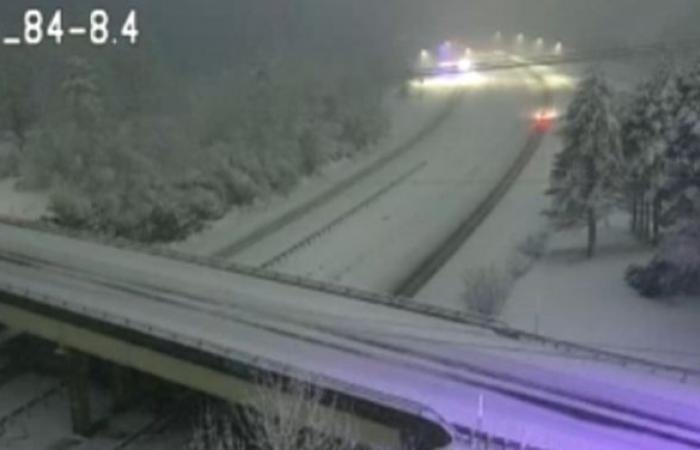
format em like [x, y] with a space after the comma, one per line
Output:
[403, 211]
[517, 217]
[530, 393]
[410, 118]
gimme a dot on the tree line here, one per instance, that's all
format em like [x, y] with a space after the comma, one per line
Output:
[127, 148]
[642, 156]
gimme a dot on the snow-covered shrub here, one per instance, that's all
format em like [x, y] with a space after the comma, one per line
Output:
[281, 174]
[204, 203]
[71, 208]
[486, 290]
[534, 245]
[8, 159]
[215, 429]
[363, 129]
[282, 415]
[519, 264]
[311, 153]
[527, 252]
[675, 270]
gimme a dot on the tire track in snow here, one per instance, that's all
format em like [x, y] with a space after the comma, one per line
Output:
[425, 269]
[327, 228]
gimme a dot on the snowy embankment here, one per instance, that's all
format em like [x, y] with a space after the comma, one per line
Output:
[17, 204]
[408, 117]
[14, 203]
[588, 301]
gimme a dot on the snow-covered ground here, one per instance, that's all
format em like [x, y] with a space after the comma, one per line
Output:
[46, 425]
[19, 204]
[588, 301]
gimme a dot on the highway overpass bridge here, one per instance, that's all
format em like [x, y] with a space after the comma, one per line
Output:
[407, 370]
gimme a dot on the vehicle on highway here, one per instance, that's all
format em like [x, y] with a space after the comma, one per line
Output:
[544, 119]
[449, 58]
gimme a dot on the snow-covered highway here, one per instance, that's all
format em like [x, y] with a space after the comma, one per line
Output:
[379, 229]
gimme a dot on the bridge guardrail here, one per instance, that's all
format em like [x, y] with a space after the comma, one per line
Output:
[678, 373]
[256, 362]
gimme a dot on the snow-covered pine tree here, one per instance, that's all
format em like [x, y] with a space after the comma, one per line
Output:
[82, 99]
[689, 86]
[587, 173]
[646, 134]
[19, 110]
[682, 186]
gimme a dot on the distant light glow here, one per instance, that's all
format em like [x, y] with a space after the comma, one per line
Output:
[469, 80]
[465, 65]
[559, 81]
[544, 118]
[520, 39]
[539, 44]
[546, 114]
[558, 49]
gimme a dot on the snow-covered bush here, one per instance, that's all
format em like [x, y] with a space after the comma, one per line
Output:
[527, 252]
[310, 150]
[8, 158]
[214, 429]
[486, 290]
[71, 208]
[675, 270]
[281, 415]
[534, 245]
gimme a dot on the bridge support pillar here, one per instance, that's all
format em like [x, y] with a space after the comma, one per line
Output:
[122, 380]
[79, 391]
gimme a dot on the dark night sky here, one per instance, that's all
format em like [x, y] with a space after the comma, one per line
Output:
[215, 31]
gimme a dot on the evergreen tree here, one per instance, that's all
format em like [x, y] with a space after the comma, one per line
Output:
[647, 133]
[587, 172]
[682, 186]
[18, 106]
[675, 270]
